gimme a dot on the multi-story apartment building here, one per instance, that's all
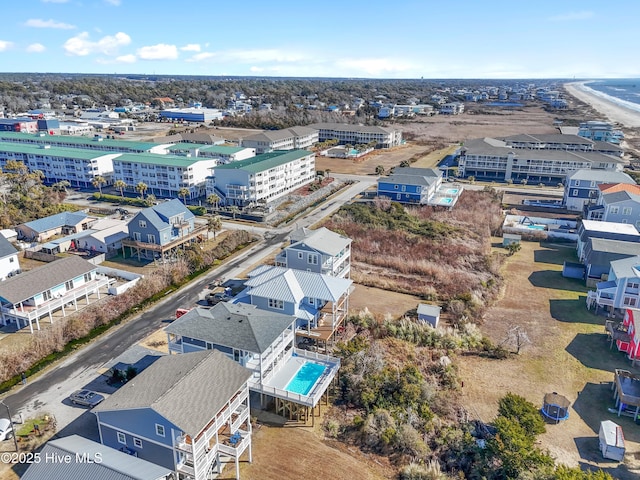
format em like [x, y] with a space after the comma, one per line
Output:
[534, 159]
[262, 178]
[78, 167]
[164, 175]
[287, 139]
[358, 134]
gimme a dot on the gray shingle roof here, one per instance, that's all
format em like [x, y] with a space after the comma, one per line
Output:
[600, 176]
[6, 249]
[187, 389]
[33, 282]
[114, 465]
[239, 326]
[56, 221]
[621, 196]
[323, 240]
[159, 215]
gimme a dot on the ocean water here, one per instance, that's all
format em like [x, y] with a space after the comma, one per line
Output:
[623, 91]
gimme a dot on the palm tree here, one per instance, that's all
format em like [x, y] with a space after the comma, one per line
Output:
[61, 186]
[214, 224]
[379, 170]
[120, 185]
[142, 188]
[184, 193]
[234, 210]
[213, 200]
[97, 182]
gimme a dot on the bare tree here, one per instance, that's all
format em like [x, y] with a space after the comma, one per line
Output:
[517, 338]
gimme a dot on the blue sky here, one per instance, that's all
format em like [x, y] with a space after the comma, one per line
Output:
[330, 38]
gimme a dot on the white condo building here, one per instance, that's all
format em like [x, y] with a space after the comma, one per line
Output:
[286, 139]
[262, 178]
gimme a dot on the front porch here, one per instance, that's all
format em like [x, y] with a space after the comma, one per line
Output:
[25, 315]
[154, 250]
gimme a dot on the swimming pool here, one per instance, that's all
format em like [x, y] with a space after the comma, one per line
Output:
[446, 201]
[452, 191]
[305, 378]
[537, 227]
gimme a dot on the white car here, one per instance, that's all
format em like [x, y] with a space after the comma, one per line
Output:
[6, 429]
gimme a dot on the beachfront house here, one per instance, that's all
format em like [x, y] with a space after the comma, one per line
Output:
[422, 186]
[261, 341]
[319, 251]
[60, 287]
[184, 412]
[600, 131]
[600, 252]
[622, 288]
[581, 186]
[596, 229]
[156, 231]
[9, 262]
[319, 302]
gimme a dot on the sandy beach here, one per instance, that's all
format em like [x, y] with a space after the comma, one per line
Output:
[610, 111]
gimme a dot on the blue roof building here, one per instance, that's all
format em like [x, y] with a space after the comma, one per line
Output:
[61, 223]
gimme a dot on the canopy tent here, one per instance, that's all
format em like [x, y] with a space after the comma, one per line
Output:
[555, 407]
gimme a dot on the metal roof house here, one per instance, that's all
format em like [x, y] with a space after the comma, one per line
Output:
[263, 342]
[156, 231]
[319, 251]
[56, 286]
[319, 302]
[9, 262]
[81, 458]
[184, 412]
[63, 223]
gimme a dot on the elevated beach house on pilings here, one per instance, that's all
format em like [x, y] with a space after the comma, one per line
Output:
[184, 412]
[263, 342]
[59, 286]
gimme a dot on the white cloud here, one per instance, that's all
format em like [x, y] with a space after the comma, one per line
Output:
[131, 58]
[36, 48]
[251, 56]
[4, 45]
[81, 45]
[374, 66]
[192, 47]
[161, 51]
[572, 16]
[198, 57]
[55, 1]
[39, 23]
[115, 3]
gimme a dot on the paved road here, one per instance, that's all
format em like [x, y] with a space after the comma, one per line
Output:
[49, 391]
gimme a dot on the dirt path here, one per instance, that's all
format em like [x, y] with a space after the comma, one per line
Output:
[569, 354]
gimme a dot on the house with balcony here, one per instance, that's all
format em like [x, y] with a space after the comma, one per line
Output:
[319, 302]
[600, 131]
[156, 231]
[581, 186]
[627, 334]
[600, 252]
[300, 138]
[185, 412]
[616, 203]
[596, 229]
[320, 251]
[622, 288]
[263, 178]
[263, 342]
[422, 186]
[64, 223]
[9, 262]
[60, 287]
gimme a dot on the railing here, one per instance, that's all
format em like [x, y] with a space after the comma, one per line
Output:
[175, 346]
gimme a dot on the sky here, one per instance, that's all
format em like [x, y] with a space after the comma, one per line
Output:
[327, 38]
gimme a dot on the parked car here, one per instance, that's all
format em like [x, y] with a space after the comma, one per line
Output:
[214, 298]
[86, 398]
[6, 429]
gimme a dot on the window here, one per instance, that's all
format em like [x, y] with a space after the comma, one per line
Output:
[300, 255]
[630, 301]
[11, 260]
[626, 210]
[136, 236]
[122, 438]
[273, 303]
[46, 295]
[87, 277]
[633, 285]
[312, 258]
[137, 442]
[151, 238]
[395, 187]
[614, 210]
[142, 223]
[68, 285]
[404, 188]
[574, 193]
[159, 430]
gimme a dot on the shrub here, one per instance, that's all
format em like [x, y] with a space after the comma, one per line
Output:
[519, 409]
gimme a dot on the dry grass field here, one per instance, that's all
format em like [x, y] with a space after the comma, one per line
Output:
[569, 354]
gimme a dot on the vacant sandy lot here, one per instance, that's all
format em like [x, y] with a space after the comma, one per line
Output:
[569, 354]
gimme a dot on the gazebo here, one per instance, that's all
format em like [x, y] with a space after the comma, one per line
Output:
[555, 407]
